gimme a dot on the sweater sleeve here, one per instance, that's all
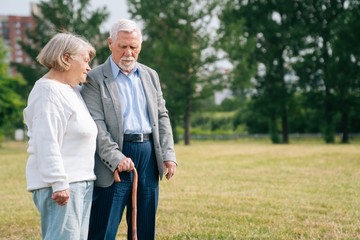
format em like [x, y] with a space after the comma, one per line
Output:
[48, 129]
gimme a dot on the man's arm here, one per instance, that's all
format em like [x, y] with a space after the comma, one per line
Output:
[106, 148]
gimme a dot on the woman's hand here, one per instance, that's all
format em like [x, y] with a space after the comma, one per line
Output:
[61, 197]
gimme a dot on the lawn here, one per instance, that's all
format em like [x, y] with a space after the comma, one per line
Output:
[228, 190]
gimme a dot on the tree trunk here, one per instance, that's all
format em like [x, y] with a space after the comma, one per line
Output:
[187, 123]
[274, 135]
[174, 126]
[345, 125]
[284, 126]
[329, 135]
[283, 102]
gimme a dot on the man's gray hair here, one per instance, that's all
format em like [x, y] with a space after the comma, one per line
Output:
[124, 25]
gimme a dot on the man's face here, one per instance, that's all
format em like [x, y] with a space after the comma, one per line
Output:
[125, 50]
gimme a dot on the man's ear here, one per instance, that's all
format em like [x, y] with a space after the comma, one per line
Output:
[110, 43]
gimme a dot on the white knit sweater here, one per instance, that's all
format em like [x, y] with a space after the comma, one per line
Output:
[62, 137]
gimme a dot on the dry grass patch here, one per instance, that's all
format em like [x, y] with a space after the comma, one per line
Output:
[228, 190]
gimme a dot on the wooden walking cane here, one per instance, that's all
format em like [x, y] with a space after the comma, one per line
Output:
[133, 201]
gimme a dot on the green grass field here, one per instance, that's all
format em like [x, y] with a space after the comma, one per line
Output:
[228, 190]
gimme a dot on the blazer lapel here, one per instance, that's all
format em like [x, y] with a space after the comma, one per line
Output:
[150, 94]
[112, 87]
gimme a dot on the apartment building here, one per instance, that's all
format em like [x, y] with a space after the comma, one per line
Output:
[13, 29]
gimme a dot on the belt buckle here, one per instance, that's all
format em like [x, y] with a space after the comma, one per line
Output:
[141, 138]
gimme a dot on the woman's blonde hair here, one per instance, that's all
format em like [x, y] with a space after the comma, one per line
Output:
[52, 55]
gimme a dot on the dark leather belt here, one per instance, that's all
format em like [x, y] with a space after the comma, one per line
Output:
[137, 137]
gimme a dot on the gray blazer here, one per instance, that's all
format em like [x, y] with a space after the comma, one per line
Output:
[102, 98]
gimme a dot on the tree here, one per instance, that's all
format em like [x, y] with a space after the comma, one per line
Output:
[258, 37]
[62, 15]
[346, 49]
[324, 66]
[306, 47]
[11, 100]
[175, 39]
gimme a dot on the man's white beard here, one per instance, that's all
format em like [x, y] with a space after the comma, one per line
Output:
[127, 67]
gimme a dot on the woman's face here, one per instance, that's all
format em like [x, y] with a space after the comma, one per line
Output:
[79, 67]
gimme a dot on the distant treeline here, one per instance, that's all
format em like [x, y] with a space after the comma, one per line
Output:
[292, 65]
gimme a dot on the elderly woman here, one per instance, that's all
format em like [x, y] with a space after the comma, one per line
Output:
[62, 140]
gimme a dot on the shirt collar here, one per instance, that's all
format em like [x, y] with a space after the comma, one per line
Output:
[116, 70]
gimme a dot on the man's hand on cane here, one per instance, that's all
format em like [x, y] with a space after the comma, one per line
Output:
[126, 165]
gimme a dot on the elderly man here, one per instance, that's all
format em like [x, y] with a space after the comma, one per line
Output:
[125, 99]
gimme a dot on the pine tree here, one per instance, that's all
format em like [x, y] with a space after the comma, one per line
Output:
[58, 16]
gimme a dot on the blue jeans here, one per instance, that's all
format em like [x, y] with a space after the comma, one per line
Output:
[109, 203]
[65, 222]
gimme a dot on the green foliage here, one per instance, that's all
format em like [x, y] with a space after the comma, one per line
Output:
[174, 42]
[305, 47]
[328, 67]
[213, 121]
[3, 65]
[58, 16]
[11, 99]
[238, 45]
[231, 104]
[263, 42]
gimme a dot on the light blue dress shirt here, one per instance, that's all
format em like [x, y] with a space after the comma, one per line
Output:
[134, 104]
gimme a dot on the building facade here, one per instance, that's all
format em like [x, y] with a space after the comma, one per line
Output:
[13, 29]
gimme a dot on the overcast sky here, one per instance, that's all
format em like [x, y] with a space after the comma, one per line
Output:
[117, 8]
